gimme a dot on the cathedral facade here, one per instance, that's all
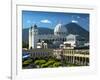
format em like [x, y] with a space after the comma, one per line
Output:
[58, 37]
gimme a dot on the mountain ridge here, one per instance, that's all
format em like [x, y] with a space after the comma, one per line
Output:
[72, 28]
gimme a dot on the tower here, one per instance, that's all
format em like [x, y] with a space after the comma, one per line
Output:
[33, 37]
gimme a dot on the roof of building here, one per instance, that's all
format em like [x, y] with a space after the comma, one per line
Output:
[60, 28]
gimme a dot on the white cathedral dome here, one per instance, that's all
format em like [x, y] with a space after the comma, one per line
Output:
[60, 30]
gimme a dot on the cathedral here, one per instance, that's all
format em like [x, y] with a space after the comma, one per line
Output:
[53, 40]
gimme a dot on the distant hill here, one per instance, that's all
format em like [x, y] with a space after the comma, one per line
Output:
[25, 35]
[72, 28]
[42, 30]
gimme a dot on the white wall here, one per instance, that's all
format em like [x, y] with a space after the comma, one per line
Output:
[5, 37]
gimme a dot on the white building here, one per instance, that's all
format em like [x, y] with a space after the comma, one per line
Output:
[42, 44]
[58, 37]
[74, 41]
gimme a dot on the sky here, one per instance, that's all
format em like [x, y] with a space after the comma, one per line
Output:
[51, 19]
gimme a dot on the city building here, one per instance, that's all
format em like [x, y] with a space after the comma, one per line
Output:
[41, 53]
[62, 43]
[74, 56]
[57, 39]
[42, 44]
[73, 41]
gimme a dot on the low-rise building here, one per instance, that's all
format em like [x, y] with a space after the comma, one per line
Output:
[79, 57]
[41, 53]
[42, 45]
[73, 41]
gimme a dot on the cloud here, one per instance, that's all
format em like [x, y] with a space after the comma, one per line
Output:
[74, 21]
[28, 21]
[78, 17]
[45, 21]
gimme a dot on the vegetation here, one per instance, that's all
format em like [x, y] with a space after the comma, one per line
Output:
[50, 62]
[39, 62]
[46, 63]
[57, 64]
[27, 62]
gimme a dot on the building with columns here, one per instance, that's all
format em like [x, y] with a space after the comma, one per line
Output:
[74, 56]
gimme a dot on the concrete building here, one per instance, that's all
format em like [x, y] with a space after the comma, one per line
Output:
[57, 39]
[42, 44]
[41, 53]
[73, 41]
[79, 57]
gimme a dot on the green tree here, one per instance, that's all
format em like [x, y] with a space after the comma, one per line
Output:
[56, 64]
[37, 62]
[40, 62]
[27, 62]
[50, 62]
[44, 65]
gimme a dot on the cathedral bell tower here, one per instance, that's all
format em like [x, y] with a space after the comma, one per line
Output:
[33, 37]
